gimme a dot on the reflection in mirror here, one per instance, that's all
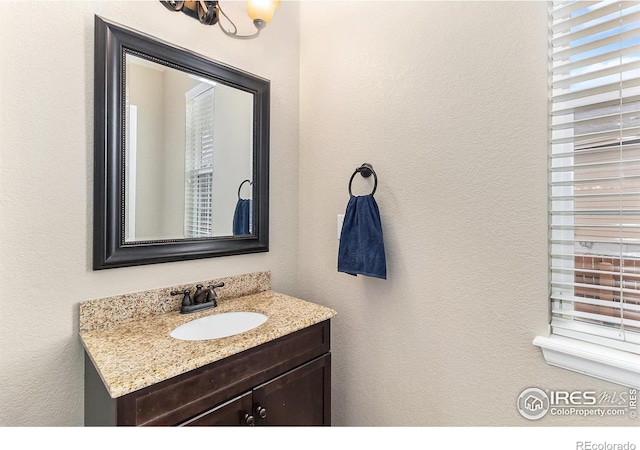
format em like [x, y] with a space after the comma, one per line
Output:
[181, 157]
[188, 148]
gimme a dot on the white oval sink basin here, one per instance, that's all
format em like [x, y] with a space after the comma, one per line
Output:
[218, 326]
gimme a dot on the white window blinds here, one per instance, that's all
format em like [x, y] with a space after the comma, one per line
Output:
[199, 161]
[595, 172]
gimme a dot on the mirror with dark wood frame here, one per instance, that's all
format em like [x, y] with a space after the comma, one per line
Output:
[181, 153]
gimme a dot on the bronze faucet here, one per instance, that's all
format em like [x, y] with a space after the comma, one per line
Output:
[202, 298]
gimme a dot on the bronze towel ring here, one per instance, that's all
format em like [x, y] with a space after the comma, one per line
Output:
[365, 170]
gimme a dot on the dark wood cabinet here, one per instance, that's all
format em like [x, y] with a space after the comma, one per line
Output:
[294, 398]
[286, 381]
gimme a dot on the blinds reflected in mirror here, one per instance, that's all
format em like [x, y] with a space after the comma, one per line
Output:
[200, 119]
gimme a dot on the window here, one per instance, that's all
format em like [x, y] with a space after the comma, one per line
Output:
[199, 161]
[595, 189]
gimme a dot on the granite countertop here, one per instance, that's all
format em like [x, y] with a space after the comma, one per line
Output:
[137, 353]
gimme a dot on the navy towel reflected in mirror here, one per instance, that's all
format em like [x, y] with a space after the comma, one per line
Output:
[242, 218]
[242, 214]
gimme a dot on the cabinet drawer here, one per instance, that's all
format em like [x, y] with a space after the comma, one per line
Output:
[180, 398]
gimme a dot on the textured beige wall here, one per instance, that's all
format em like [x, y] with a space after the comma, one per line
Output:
[46, 176]
[447, 100]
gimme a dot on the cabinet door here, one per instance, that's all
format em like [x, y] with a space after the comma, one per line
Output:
[233, 412]
[301, 396]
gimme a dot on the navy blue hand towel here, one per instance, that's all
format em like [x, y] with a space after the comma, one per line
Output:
[242, 217]
[361, 245]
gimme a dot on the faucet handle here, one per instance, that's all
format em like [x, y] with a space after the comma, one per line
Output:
[211, 287]
[186, 300]
[212, 295]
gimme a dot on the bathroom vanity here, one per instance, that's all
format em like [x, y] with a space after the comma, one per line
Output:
[138, 371]
[278, 373]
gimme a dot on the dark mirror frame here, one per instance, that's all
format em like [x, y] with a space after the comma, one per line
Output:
[112, 43]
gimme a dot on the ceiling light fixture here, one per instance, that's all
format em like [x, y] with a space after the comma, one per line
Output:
[209, 12]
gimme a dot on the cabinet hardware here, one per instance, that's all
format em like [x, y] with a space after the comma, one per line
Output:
[249, 420]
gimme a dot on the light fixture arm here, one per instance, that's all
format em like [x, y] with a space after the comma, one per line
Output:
[258, 23]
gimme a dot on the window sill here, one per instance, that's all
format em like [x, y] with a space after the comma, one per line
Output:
[594, 360]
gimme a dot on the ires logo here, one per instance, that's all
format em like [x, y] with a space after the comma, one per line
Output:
[534, 403]
[573, 398]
